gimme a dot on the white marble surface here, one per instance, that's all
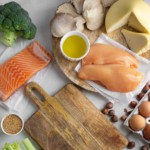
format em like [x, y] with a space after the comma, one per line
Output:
[41, 12]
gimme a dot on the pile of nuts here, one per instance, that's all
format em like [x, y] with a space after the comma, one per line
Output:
[132, 145]
[144, 90]
[108, 110]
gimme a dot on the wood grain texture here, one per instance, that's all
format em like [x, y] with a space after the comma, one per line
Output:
[43, 132]
[71, 120]
[68, 66]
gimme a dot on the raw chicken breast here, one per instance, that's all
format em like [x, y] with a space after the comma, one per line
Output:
[102, 54]
[117, 78]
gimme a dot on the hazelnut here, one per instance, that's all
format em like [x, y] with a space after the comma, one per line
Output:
[125, 110]
[133, 104]
[131, 145]
[129, 112]
[114, 118]
[109, 105]
[144, 148]
[123, 118]
[145, 89]
[111, 112]
[105, 111]
[140, 96]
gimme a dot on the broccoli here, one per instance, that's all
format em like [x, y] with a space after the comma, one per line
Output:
[15, 22]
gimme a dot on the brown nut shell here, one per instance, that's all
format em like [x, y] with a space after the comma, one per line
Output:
[109, 105]
[133, 104]
[140, 96]
[145, 89]
[144, 109]
[111, 112]
[123, 118]
[144, 148]
[146, 132]
[114, 118]
[131, 145]
[137, 122]
[105, 111]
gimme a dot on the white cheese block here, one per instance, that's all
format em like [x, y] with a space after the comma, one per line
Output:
[138, 42]
[135, 13]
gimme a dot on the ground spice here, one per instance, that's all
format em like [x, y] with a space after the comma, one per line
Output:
[12, 124]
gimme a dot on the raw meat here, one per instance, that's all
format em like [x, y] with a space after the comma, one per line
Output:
[102, 54]
[117, 78]
[19, 69]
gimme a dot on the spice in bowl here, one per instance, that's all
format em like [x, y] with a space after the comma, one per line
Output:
[12, 124]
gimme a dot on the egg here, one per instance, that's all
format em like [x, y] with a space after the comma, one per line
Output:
[137, 122]
[144, 109]
[146, 132]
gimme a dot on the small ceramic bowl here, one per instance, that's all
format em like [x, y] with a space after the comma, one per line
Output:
[71, 33]
[18, 117]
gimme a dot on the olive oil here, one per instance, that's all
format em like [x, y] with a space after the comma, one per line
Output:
[74, 46]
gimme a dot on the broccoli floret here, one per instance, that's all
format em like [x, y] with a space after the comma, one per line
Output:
[15, 22]
[1, 19]
[7, 23]
[13, 6]
[5, 11]
[24, 13]
[21, 22]
[29, 33]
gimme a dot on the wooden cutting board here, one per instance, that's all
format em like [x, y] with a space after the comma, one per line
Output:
[69, 121]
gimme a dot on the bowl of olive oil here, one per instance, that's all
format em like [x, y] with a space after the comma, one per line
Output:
[74, 45]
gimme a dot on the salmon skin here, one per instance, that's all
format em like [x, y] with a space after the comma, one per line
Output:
[20, 68]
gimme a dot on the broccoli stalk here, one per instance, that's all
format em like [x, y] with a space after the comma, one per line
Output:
[15, 22]
[8, 37]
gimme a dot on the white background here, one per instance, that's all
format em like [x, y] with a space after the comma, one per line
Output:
[41, 12]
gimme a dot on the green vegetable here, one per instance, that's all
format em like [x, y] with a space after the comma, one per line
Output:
[15, 146]
[15, 22]
[28, 145]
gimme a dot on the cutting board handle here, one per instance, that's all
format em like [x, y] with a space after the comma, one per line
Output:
[28, 90]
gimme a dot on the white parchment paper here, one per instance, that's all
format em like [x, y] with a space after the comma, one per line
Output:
[16, 101]
[125, 98]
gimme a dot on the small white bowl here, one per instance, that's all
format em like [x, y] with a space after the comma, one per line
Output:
[16, 133]
[71, 33]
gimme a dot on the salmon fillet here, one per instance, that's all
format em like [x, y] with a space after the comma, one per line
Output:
[20, 68]
[117, 78]
[102, 54]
